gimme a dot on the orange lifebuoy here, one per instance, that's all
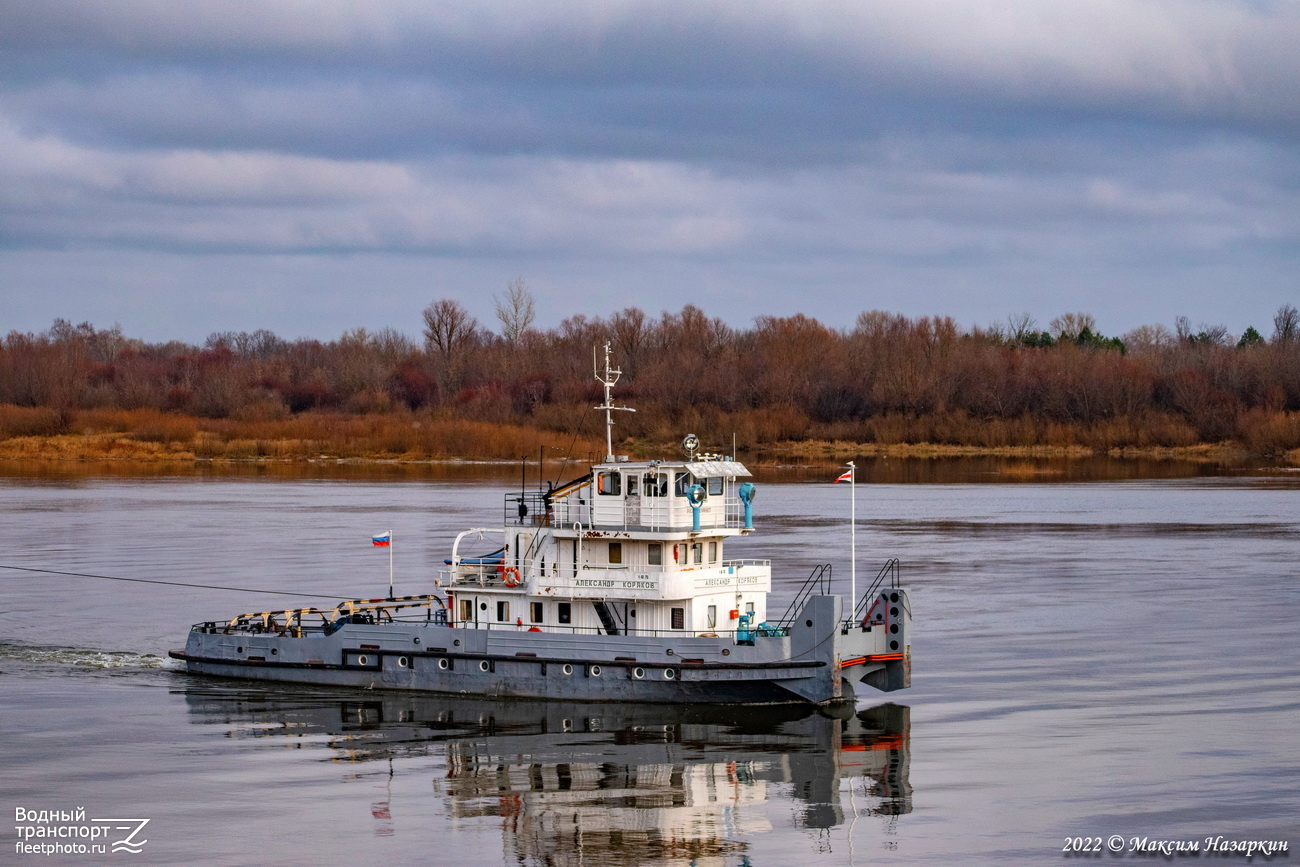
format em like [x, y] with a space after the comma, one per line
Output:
[511, 577]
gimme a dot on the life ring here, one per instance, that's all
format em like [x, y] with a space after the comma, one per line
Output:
[510, 577]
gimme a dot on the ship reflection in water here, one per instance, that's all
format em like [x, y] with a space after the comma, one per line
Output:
[617, 782]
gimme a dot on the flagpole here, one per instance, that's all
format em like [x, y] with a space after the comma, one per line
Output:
[390, 564]
[853, 539]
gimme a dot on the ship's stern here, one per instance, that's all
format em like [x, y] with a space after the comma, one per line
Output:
[877, 650]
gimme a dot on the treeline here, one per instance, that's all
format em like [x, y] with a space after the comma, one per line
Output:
[889, 379]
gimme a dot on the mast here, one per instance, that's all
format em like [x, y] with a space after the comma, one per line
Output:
[608, 381]
[853, 539]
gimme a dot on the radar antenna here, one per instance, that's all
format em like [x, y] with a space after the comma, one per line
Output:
[608, 380]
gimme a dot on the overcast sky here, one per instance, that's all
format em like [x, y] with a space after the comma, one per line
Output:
[184, 168]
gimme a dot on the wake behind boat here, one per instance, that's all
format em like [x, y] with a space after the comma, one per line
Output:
[612, 587]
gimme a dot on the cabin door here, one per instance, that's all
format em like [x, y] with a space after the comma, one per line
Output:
[632, 503]
[523, 551]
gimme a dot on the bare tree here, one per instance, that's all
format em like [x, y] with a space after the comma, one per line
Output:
[1019, 326]
[1209, 335]
[1286, 324]
[1145, 338]
[391, 343]
[1216, 335]
[516, 311]
[448, 327]
[631, 332]
[1068, 326]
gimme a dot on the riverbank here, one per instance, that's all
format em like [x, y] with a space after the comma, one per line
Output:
[491, 443]
[153, 436]
[837, 452]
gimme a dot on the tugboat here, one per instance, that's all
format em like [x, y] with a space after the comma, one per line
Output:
[612, 587]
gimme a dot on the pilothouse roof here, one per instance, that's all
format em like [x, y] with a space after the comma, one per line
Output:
[699, 469]
[712, 469]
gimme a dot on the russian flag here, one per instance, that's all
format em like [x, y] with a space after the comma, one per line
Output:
[847, 477]
[383, 540]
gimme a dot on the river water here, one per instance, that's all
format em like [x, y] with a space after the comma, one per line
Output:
[1090, 659]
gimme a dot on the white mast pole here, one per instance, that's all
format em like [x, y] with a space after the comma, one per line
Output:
[853, 538]
[608, 381]
[390, 564]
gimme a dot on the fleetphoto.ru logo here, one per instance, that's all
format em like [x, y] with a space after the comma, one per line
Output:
[69, 832]
[127, 843]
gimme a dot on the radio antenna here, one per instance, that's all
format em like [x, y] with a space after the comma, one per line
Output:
[608, 381]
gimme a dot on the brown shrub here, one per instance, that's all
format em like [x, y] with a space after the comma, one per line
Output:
[37, 421]
[1269, 433]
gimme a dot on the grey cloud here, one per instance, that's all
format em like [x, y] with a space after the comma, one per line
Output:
[946, 156]
[534, 70]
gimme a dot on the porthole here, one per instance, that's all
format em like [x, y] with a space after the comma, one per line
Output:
[807, 623]
[568, 669]
[893, 611]
[238, 649]
[893, 628]
[893, 597]
[893, 645]
[456, 643]
[442, 663]
[638, 673]
[595, 671]
[275, 651]
[726, 651]
[417, 640]
[363, 660]
[483, 666]
[403, 662]
[669, 674]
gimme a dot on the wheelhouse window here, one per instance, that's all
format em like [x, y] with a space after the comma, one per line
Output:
[467, 609]
[683, 483]
[631, 485]
[656, 484]
[715, 486]
[697, 553]
[537, 611]
[713, 552]
[655, 554]
[713, 616]
[609, 484]
[503, 610]
[679, 618]
[564, 612]
[615, 552]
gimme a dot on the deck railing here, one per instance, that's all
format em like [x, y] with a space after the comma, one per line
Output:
[819, 583]
[539, 509]
[887, 577]
[214, 627]
[493, 575]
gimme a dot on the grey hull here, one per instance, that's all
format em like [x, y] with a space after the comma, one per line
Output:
[818, 661]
